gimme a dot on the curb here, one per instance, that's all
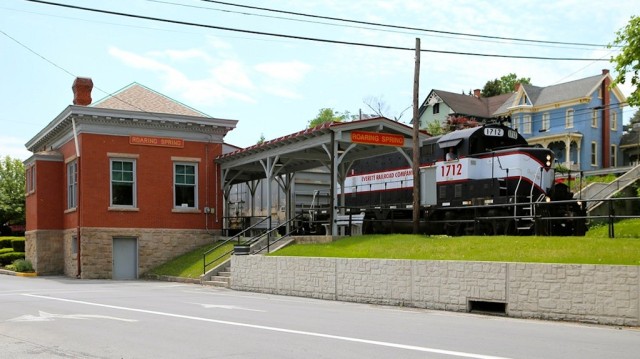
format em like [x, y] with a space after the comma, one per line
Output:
[18, 274]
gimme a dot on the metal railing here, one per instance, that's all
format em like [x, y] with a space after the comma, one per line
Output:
[237, 237]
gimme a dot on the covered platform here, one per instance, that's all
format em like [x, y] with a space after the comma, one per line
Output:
[335, 146]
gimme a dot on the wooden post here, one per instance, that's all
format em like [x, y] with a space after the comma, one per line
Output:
[416, 143]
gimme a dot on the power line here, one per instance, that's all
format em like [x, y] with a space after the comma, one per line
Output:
[177, 22]
[403, 27]
[446, 36]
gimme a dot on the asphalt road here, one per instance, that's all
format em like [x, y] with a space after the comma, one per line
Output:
[54, 317]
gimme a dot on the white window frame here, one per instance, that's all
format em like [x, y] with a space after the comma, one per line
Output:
[134, 183]
[568, 119]
[546, 121]
[614, 121]
[515, 123]
[526, 124]
[614, 156]
[594, 118]
[594, 153]
[31, 179]
[72, 184]
[195, 185]
[436, 108]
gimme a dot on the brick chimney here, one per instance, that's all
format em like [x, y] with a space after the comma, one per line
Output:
[516, 87]
[476, 93]
[82, 87]
[605, 71]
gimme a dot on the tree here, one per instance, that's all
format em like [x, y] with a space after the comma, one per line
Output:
[628, 60]
[435, 128]
[380, 108]
[329, 115]
[504, 84]
[261, 139]
[12, 188]
[635, 118]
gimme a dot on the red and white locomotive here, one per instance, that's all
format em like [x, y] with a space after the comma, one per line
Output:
[483, 180]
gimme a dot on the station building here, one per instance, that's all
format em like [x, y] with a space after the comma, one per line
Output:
[120, 186]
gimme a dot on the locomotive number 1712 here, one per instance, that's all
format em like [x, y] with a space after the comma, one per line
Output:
[451, 170]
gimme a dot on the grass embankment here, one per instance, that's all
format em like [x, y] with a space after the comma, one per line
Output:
[189, 265]
[594, 248]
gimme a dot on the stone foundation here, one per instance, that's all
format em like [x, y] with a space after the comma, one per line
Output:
[43, 248]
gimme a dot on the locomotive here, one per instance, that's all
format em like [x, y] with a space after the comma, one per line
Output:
[479, 180]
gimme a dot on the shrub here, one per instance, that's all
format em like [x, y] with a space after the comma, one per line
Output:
[7, 258]
[18, 245]
[22, 265]
[5, 250]
[5, 243]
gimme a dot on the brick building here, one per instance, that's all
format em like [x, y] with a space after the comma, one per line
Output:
[118, 187]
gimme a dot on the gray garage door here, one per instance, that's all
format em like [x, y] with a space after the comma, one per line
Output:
[125, 258]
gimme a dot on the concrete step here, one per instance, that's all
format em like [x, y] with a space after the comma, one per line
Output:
[226, 273]
[215, 283]
[217, 278]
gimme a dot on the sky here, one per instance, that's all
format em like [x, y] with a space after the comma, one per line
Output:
[272, 85]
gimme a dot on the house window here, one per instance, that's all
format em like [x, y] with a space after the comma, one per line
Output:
[546, 121]
[185, 185]
[614, 156]
[123, 182]
[594, 153]
[516, 122]
[72, 184]
[568, 122]
[594, 118]
[526, 124]
[436, 108]
[614, 120]
[31, 179]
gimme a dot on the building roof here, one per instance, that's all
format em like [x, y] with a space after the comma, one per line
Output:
[469, 105]
[567, 91]
[136, 97]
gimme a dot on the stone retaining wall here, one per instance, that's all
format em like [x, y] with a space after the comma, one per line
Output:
[586, 293]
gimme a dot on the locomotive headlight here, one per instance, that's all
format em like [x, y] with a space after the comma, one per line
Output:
[548, 163]
[547, 199]
[548, 157]
[580, 203]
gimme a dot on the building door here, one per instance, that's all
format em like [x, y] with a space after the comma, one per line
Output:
[125, 258]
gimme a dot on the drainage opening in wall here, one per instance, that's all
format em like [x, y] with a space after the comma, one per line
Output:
[484, 307]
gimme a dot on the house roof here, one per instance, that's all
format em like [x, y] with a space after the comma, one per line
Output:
[541, 96]
[483, 107]
[136, 97]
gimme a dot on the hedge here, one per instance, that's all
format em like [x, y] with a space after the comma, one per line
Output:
[8, 258]
[18, 245]
[5, 243]
[6, 250]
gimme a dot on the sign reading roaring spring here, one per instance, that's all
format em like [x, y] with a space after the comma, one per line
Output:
[375, 138]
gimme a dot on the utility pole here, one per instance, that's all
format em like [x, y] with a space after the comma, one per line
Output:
[416, 143]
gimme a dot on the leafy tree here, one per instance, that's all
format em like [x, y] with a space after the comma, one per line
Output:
[504, 84]
[261, 139]
[635, 118]
[454, 123]
[435, 128]
[12, 188]
[329, 115]
[628, 60]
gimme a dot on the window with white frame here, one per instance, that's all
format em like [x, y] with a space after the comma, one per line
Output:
[568, 121]
[72, 184]
[614, 155]
[526, 124]
[515, 122]
[185, 184]
[30, 173]
[123, 182]
[594, 118]
[614, 120]
[594, 153]
[436, 108]
[546, 121]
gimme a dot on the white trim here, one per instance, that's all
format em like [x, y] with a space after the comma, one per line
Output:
[181, 207]
[134, 183]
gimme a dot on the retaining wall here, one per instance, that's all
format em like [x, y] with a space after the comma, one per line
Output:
[587, 293]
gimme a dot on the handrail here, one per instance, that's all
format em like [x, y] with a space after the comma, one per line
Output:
[204, 255]
[279, 239]
[631, 176]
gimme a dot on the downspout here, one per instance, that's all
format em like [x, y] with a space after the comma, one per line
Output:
[78, 206]
[606, 125]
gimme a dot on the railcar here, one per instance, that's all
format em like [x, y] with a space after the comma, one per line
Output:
[480, 180]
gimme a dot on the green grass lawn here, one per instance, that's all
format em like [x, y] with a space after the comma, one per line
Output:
[189, 265]
[594, 248]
